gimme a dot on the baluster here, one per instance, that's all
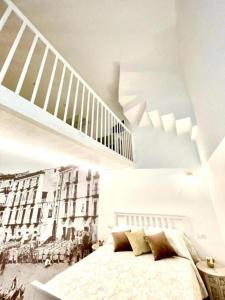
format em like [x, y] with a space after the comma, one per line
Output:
[101, 121]
[122, 139]
[114, 134]
[68, 97]
[105, 126]
[97, 121]
[39, 75]
[26, 65]
[125, 143]
[108, 139]
[11, 52]
[92, 115]
[125, 133]
[128, 134]
[110, 131]
[75, 103]
[60, 91]
[129, 143]
[119, 137]
[50, 84]
[82, 108]
[87, 113]
[5, 17]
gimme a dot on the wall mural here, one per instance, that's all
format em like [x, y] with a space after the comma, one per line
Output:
[48, 220]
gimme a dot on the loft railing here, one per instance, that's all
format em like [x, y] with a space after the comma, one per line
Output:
[33, 69]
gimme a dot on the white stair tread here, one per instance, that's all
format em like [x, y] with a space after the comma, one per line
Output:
[183, 126]
[145, 120]
[131, 104]
[168, 122]
[124, 100]
[155, 118]
[133, 113]
[194, 133]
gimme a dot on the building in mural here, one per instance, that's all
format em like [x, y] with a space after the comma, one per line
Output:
[6, 182]
[49, 204]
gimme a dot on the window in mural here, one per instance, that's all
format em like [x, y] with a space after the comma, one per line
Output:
[48, 220]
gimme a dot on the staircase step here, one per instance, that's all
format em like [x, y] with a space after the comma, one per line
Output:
[168, 122]
[124, 100]
[134, 114]
[183, 126]
[131, 104]
[194, 133]
[145, 120]
[155, 118]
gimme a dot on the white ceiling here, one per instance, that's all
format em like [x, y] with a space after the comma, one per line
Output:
[97, 36]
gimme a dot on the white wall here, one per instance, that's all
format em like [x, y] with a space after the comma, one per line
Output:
[155, 148]
[201, 31]
[215, 170]
[165, 191]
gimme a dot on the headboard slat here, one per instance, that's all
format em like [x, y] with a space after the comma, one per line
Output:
[151, 220]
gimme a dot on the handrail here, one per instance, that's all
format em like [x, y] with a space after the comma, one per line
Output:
[109, 130]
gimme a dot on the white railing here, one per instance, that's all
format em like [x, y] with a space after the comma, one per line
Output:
[74, 102]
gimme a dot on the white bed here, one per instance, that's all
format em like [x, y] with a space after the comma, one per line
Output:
[106, 274]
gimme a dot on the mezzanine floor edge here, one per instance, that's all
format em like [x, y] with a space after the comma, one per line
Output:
[24, 122]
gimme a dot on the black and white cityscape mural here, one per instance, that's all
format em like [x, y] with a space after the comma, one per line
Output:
[48, 221]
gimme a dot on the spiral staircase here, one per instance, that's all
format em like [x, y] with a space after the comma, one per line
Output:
[144, 105]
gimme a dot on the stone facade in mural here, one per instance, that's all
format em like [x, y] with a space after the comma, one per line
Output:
[49, 204]
[47, 218]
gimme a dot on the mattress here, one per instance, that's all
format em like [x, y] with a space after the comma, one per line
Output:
[105, 274]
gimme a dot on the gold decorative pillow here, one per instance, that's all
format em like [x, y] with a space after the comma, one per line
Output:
[138, 243]
[121, 242]
[160, 246]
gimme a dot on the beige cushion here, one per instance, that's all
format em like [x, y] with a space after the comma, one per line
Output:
[138, 243]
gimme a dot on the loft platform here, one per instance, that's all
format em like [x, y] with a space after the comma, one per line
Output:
[40, 131]
[38, 86]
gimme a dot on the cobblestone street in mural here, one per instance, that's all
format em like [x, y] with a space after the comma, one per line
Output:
[47, 218]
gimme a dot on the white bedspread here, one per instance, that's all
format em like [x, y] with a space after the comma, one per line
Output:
[122, 276]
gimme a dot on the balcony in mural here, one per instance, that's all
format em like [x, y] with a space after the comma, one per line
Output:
[40, 86]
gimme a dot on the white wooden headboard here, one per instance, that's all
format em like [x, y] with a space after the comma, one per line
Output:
[151, 220]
